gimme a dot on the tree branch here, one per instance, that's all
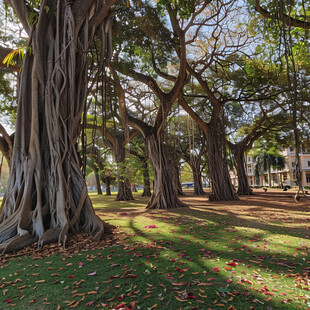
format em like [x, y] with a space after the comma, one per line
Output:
[202, 125]
[134, 122]
[160, 73]
[21, 10]
[288, 20]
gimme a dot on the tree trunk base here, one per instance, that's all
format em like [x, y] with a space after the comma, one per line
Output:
[159, 202]
[245, 192]
[199, 192]
[124, 190]
[146, 192]
[213, 197]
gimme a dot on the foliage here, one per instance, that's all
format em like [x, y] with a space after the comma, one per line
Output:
[141, 32]
[267, 159]
[13, 57]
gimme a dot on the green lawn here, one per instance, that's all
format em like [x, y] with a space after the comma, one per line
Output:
[182, 259]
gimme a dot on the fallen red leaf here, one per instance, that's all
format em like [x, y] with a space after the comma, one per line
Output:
[190, 295]
[150, 226]
[121, 297]
[90, 303]
[114, 277]
[180, 283]
[232, 264]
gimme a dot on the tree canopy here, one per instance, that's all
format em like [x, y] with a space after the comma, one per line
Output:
[170, 83]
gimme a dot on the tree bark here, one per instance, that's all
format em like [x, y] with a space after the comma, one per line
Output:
[146, 180]
[243, 184]
[6, 145]
[165, 194]
[108, 185]
[222, 189]
[46, 197]
[176, 177]
[195, 164]
[124, 189]
[214, 132]
[97, 178]
[106, 178]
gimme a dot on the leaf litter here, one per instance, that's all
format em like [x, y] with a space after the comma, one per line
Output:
[190, 263]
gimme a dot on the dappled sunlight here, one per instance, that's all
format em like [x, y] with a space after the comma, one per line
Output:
[211, 255]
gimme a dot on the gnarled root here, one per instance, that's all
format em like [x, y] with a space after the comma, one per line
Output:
[164, 202]
[17, 243]
[49, 236]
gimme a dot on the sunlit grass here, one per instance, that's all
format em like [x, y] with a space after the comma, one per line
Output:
[179, 259]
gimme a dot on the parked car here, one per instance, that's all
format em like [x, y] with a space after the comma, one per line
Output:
[188, 185]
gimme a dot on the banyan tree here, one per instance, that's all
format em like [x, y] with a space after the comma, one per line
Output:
[46, 197]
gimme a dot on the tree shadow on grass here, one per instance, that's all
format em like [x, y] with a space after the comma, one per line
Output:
[174, 253]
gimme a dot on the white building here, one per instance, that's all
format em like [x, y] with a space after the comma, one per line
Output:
[286, 176]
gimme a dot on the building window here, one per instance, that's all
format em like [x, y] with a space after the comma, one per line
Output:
[293, 164]
[250, 169]
[291, 149]
[308, 163]
[249, 159]
[308, 178]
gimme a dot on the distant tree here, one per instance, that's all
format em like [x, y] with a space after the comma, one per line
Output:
[265, 160]
[164, 195]
[139, 151]
[286, 26]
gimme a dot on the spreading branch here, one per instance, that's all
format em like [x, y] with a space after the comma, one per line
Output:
[288, 20]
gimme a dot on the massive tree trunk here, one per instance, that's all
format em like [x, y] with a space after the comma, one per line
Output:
[214, 131]
[108, 185]
[195, 164]
[222, 188]
[47, 197]
[243, 184]
[146, 179]
[175, 170]
[124, 189]
[165, 194]
[117, 143]
[97, 178]
[105, 177]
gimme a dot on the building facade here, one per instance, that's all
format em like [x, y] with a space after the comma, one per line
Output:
[285, 176]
